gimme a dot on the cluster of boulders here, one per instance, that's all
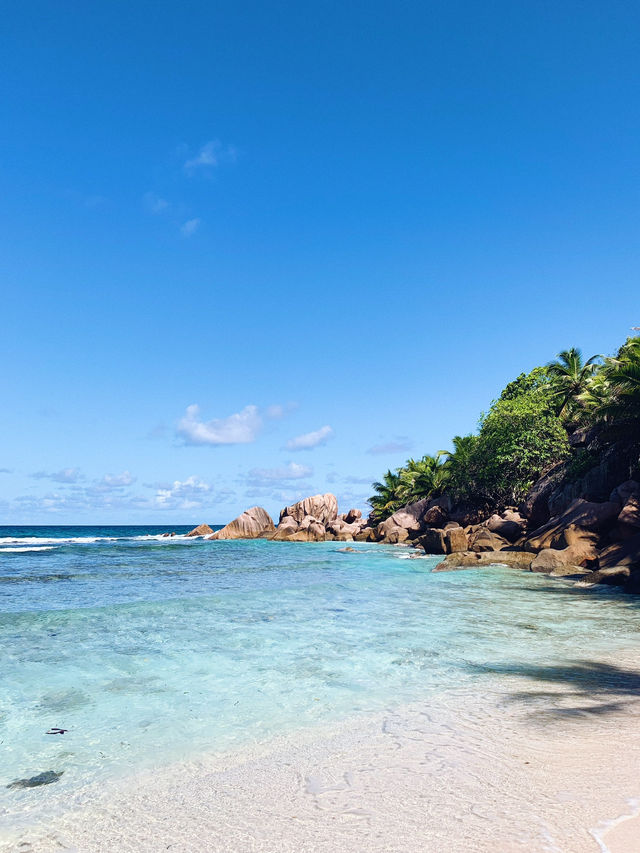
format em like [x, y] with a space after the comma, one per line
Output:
[593, 541]
[598, 541]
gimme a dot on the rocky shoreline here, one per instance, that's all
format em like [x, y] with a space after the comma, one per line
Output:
[595, 542]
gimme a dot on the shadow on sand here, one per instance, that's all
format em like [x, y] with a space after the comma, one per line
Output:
[582, 687]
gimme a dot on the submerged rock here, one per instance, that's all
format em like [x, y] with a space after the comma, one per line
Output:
[477, 560]
[45, 778]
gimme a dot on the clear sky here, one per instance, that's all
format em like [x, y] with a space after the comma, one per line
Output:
[253, 251]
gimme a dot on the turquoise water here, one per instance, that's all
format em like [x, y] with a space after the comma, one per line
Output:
[148, 650]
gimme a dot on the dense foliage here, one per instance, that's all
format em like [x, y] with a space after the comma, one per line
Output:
[525, 431]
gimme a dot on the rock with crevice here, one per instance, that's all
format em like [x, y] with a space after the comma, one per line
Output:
[324, 508]
[586, 515]
[254, 523]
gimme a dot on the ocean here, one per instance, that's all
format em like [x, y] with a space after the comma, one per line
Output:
[122, 650]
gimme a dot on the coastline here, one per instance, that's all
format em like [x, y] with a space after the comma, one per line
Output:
[528, 765]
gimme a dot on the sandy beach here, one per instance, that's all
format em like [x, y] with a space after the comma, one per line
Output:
[544, 765]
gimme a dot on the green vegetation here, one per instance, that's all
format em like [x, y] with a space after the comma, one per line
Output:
[524, 433]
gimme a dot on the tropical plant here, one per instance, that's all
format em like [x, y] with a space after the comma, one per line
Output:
[570, 376]
[387, 498]
[622, 377]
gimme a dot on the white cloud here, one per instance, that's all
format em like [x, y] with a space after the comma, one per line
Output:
[154, 204]
[181, 494]
[190, 227]
[400, 444]
[116, 481]
[66, 475]
[310, 439]
[240, 428]
[290, 471]
[211, 155]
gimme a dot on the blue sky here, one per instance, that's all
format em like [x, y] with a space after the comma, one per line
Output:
[256, 251]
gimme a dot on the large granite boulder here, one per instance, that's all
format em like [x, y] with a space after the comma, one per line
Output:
[625, 553]
[310, 529]
[287, 527]
[586, 515]
[201, 530]
[254, 523]
[580, 553]
[629, 518]
[433, 541]
[626, 490]
[484, 540]
[353, 515]
[510, 525]
[324, 508]
[455, 540]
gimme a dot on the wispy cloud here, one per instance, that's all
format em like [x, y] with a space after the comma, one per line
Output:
[309, 440]
[210, 155]
[189, 228]
[6, 470]
[290, 471]
[240, 428]
[65, 475]
[154, 204]
[117, 481]
[401, 443]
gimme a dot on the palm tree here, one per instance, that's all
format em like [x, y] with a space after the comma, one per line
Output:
[570, 376]
[387, 498]
[622, 376]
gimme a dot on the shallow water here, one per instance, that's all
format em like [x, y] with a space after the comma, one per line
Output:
[149, 651]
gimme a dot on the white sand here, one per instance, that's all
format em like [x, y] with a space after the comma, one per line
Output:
[554, 769]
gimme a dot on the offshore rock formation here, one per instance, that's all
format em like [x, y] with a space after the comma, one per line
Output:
[200, 530]
[254, 523]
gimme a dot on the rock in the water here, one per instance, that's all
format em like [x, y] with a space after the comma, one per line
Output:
[477, 560]
[580, 553]
[433, 541]
[455, 540]
[254, 523]
[287, 527]
[324, 508]
[201, 530]
[309, 530]
[45, 778]
[613, 576]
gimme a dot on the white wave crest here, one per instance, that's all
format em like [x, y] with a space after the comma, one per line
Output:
[26, 550]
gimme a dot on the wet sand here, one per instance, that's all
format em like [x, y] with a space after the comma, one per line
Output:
[548, 765]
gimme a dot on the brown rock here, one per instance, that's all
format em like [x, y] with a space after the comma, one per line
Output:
[254, 523]
[475, 560]
[353, 515]
[484, 540]
[579, 553]
[200, 530]
[624, 491]
[507, 528]
[324, 508]
[287, 527]
[594, 517]
[435, 516]
[455, 540]
[366, 534]
[309, 530]
[613, 576]
[629, 517]
[433, 541]
[625, 553]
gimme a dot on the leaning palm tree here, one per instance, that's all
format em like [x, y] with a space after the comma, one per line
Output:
[387, 498]
[570, 376]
